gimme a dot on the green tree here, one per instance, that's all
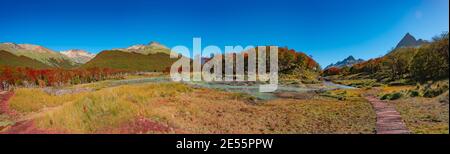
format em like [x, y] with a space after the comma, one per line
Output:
[398, 62]
[431, 61]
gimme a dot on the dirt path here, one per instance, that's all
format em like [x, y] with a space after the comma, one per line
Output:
[389, 120]
[4, 105]
[22, 126]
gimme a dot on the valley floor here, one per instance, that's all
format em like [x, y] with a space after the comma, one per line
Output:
[165, 107]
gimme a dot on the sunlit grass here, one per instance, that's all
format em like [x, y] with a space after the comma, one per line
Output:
[346, 94]
[393, 89]
[193, 110]
[424, 115]
[359, 83]
[5, 120]
[28, 100]
[107, 108]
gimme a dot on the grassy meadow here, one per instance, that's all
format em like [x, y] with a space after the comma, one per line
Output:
[179, 108]
[132, 106]
[424, 115]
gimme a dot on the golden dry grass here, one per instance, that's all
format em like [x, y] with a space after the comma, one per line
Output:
[424, 115]
[193, 111]
[28, 100]
[394, 89]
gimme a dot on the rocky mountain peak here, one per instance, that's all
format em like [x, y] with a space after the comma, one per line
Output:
[156, 44]
[349, 58]
[349, 61]
[78, 56]
[409, 41]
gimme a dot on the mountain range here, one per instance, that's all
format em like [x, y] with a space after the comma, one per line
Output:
[150, 48]
[51, 58]
[78, 56]
[39, 53]
[11, 60]
[349, 61]
[408, 41]
[144, 57]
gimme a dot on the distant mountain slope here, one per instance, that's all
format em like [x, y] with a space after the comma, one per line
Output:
[117, 59]
[151, 48]
[409, 41]
[39, 53]
[78, 56]
[349, 61]
[405, 65]
[11, 60]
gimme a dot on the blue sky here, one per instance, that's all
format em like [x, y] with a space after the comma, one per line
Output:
[329, 30]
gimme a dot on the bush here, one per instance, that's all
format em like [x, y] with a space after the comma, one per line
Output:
[396, 96]
[434, 89]
[385, 96]
[431, 61]
[432, 92]
[376, 84]
[332, 71]
[392, 96]
[413, 93]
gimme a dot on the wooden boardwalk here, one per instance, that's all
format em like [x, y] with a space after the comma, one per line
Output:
[389, 120]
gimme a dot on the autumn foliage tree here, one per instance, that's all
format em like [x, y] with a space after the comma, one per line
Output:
[11, 77]
[427, 62]
[398, 62]
[332, 71]
[431, 62]
[291, 61]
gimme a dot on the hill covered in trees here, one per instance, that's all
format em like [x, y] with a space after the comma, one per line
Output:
[11, 60]
[131, 61]
[294, 65]
[39, 53]
[406, 64]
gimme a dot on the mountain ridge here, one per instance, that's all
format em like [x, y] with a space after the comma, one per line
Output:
[78, 56]
[409, 41]
[12, 60]
[146, 49]
[349, 61]
[39, 53]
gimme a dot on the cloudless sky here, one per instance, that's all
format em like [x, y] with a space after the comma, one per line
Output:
[329, 30]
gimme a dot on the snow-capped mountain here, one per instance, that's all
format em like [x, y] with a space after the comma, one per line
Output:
[78, 56]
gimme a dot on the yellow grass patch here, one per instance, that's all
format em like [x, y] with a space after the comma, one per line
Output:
[393, 89]
[196, 111]
[424, 115]
[28, 100]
